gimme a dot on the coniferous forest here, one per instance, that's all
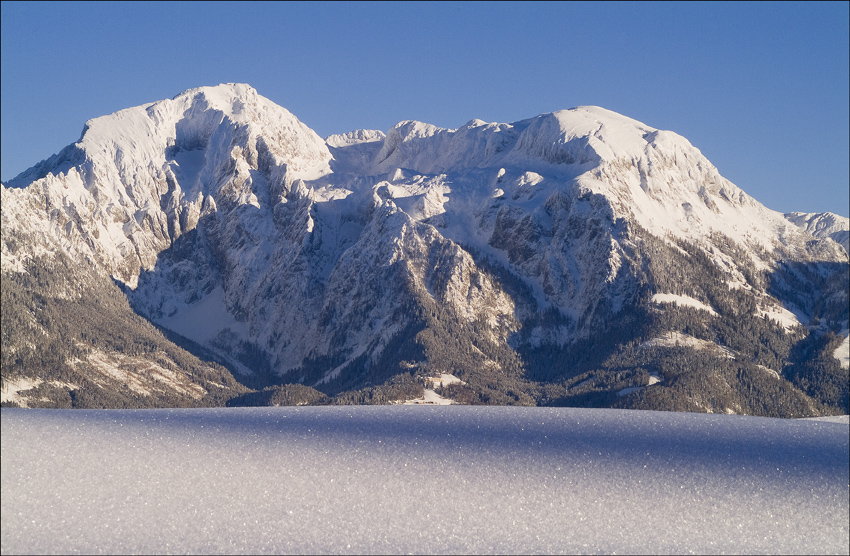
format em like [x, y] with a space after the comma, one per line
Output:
[74, 336]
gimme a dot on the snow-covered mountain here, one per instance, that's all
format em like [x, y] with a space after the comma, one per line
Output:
[823, 224]
[530, 251]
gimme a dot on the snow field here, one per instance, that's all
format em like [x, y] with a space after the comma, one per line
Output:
[842, 352]
[430, 396]
[683, 300]
[436, 479]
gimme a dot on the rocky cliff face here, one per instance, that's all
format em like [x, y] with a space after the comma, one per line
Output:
[484, 250]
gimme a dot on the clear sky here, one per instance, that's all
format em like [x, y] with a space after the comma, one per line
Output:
[760, 88]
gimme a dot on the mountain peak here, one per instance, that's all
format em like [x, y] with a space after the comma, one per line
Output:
[132, 139]
[222, 90]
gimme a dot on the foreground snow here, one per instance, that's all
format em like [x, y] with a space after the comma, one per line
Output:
[396, 479]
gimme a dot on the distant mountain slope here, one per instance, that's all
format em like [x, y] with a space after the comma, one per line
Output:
[539, 261]
[824, 224]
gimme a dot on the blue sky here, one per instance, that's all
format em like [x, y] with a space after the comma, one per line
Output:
[760, 88]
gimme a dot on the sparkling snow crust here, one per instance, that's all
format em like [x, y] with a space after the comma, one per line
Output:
[421, 480]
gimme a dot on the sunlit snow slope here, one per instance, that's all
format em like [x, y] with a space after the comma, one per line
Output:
[421, 479]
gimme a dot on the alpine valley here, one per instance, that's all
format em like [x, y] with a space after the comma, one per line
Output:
[212, 250]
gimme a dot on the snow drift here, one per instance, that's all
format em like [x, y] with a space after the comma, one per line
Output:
[421, 479]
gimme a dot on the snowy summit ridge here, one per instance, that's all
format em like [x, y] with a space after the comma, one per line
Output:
[326, 261]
